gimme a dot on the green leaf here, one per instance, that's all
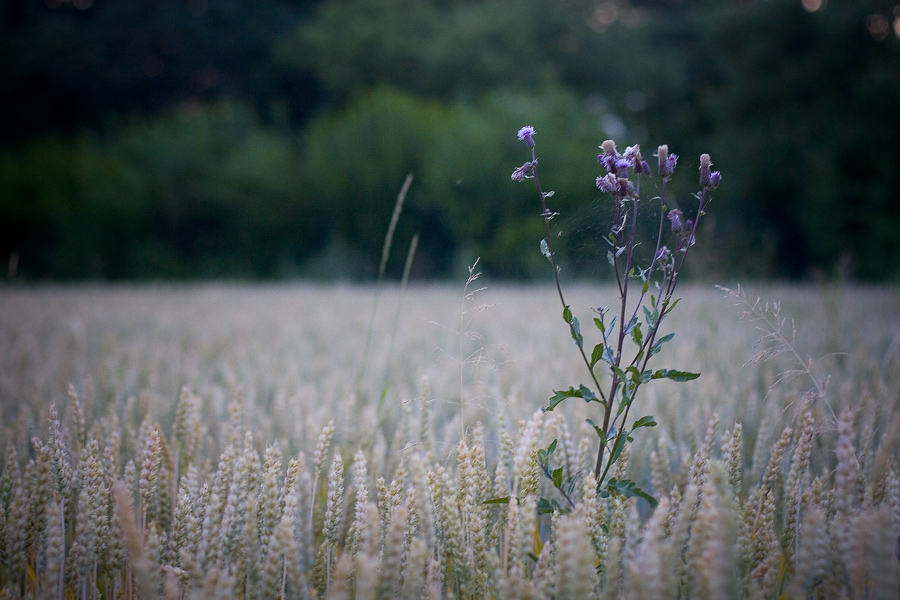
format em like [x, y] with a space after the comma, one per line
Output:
[497, 501]
[636, 334]
[631, 325]
[647, 421]
[617, 448]
[658, 344]
[545, 506]
[672, 306]
[597, 354]
[600, 325]
[628, 488]
[610, 258]
[586, 393]
[635, 374]
[576, 332]
[596, 428]
[574, 326]
[551, 448]
[558, 477]
[680, 376]
[560, 395]
[646, 286]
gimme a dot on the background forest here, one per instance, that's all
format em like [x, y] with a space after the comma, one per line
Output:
[148, 139]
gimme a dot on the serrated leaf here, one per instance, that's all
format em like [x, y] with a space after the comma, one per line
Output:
[636, 334]
[561, 395]
[674, 375]
[647, 421]
[586, 393]
[658, 344]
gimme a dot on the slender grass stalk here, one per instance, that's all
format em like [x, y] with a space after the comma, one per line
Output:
[382, 266]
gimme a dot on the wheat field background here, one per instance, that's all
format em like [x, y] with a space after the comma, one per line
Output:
[334, 398]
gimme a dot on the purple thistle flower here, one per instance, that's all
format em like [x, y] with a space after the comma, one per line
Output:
[675, 220]
[526, 134]
[632, 156]
[608, 184]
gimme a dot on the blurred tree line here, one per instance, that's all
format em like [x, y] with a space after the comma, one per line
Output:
[232, 138]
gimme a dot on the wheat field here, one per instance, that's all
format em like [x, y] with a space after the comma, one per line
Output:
[340, 441]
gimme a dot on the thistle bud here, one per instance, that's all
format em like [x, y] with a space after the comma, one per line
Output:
[704, 170]
[663, 154]
[675, 220]
[662, 256]
[666, 161]
[609, 147]
[523, 172]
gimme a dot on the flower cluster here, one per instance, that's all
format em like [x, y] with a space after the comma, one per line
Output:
[617, 166]
[622, 175]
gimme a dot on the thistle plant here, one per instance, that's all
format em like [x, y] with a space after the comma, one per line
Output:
[629, 336]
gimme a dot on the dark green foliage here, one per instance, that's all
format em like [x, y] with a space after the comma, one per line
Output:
[351, 95]
[198, 193]
[358, 157]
